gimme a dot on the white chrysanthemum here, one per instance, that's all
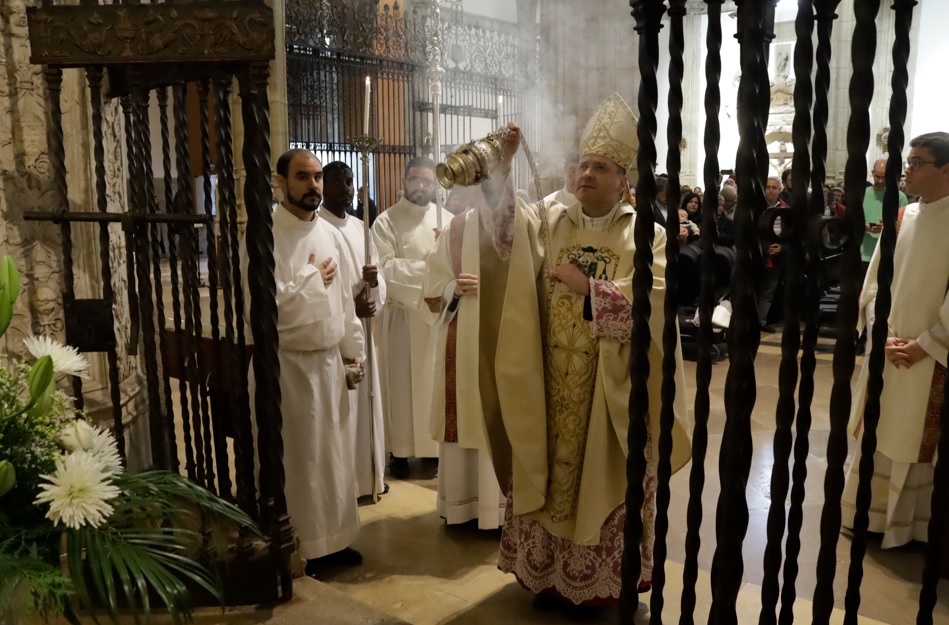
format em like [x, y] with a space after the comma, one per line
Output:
[78, 491]
[65, 359]
[79, 435]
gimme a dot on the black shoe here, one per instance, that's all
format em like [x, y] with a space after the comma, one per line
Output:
[312, 568]
[546, 603]
[582, 613]
[399, 468]
[385, 489]
[767, 329]
[344, 557]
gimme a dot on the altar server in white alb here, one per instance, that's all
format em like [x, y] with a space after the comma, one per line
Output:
[468, 487]
[405, 234]
[317, 328]
[369, 291]
[917, 346]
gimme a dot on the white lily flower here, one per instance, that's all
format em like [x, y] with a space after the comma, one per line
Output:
[80, 436]
[78, 491]
[66, 360]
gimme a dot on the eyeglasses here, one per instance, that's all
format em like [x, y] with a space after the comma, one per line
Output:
[914, 165]
[424, 182]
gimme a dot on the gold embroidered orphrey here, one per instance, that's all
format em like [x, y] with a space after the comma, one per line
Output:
[571, 365]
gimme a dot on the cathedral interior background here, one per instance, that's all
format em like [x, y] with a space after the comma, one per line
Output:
[136, 150]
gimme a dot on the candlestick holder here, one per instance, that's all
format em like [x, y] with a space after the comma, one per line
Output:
[366, 145]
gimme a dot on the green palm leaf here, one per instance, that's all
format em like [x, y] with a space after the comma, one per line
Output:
[145, 551]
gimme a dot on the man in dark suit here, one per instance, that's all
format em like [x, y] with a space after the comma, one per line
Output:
[659, 210]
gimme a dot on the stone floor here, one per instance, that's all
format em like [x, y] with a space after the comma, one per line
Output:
[426, 573]
[420, 571]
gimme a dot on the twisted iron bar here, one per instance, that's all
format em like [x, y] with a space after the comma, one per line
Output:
[754, 20]
[887, 244]
[648, 16]
[204, 88]
[226, 203]
[57, 158]
[142, 199]
[168, 403]
[670, 332]
[94, 78]
[233, 291]
[863, 50]
[803, 291]
[130, 260]
[703, 369]
[184, 203]
[263, 318]
[791, 339]
[244, 443]
[176, 305]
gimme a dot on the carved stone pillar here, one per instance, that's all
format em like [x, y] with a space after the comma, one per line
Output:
[692, 99]
[840, 83]
[277, 91]
[26, 183]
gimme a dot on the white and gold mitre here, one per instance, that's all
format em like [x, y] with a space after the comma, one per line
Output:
[611, 133]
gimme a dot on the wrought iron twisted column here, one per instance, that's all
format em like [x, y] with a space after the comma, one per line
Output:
[214, 439]
[142, 198]
[755, 20]
[670, 332]
[230, 376]
[703, 369]
[263, 318]
[232, 285]
[190, 467]
[184, 203]
[794, 218]
[858, 139]
[648, 16]
[94, 77]
[130, 260]
[236, 370]
[863, 50]
[154, 230]
[57, 158]
[879, 332]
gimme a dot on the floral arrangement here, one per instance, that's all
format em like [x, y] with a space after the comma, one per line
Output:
[77, 531]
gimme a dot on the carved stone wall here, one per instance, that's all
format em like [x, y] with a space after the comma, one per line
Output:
[26, 183]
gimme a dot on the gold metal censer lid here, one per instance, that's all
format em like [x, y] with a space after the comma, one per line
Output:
[471, 163]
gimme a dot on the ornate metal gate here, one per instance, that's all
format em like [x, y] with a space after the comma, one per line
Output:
[802, 228]
[333, 47]
[130, 51]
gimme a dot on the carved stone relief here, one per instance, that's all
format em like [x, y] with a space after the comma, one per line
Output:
[26, 183]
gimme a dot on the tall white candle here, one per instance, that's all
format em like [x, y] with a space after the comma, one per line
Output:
[500, 110]
[365, 119]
